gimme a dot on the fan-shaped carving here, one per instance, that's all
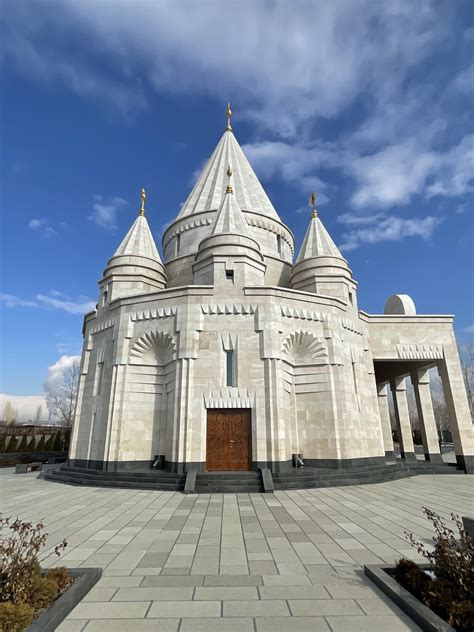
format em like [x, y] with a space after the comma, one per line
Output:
[153, 348]
[302, 347]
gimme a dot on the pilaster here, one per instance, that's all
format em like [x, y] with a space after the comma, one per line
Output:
[429, 434]
[407, 449]
[385, 420]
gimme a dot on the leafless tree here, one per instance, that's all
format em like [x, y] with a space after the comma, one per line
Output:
[39, 413]
[10, 414]
[61, 400]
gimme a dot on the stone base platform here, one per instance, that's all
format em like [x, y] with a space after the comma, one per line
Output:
[250, 482]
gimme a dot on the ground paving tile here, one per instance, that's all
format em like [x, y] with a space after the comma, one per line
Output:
[291, 561]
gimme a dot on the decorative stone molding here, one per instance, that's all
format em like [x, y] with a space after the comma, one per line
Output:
[101, 326]
[303, 347]
[195, 223]
[420, 352]
[229, 397]
[151, 314]
[303, 314]
[229, 341]
[233, 308]
[351, 325]
[155, 348]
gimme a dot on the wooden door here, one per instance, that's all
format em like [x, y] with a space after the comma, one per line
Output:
[229, 439]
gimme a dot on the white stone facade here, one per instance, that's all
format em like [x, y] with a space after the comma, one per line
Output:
[311, 368]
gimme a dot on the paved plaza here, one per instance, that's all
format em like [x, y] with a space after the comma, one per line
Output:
[291, 561]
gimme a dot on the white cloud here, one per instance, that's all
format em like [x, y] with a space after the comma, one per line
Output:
[359, 220]
[42, 227]
[57, 370]
[10, 300]
[469, 329]
[104, 212]
[390, 229]
[82, 306]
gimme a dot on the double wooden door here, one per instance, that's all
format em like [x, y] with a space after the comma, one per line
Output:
[229, 439]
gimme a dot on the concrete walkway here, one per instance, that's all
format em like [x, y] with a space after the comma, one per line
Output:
[291, 561]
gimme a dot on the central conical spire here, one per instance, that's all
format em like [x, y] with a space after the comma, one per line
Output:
[317, 241]
[230, 218]
[209, 190]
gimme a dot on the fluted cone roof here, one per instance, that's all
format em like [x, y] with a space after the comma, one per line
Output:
[317, 242]
[209, 190]
[139, 241]
[230, 218]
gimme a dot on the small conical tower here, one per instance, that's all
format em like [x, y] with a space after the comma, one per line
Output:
[229, 255]
[320, 267]
[136, 267]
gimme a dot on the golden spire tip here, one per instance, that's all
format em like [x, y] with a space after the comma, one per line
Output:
[142, 210]
[228, 114]
[312, 201]
[229, 175]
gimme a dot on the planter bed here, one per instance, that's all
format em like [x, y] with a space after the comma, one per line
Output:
[424, 617]
[49, 619]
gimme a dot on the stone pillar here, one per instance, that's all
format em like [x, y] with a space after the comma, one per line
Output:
[429, 434]
[385, 420]
[407, 450]
[460, 421]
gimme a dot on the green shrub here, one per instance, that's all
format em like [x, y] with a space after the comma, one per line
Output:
[2, 443]
[58, 442]
[49, 445]
[12, 444]
[23, 445]
[40, 446]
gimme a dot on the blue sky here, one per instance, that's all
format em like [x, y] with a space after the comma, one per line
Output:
[368, 103]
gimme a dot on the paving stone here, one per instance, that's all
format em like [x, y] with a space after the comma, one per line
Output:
[109, 610]
[233, 580]
[385, 623]
[186, 609]
[292, 592]
[230, 593]
[324, 607]
[238, 624]
[132, 625]
[118, 581]
[100, 594]
[270, 608]
[300, 624]
[172, 581]
[72, 625]
[154, 593]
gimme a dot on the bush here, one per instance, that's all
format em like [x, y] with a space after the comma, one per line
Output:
[15, 617]
[395, 436]
[40, 446]
[417, 440]
[2, 443]
[19, 561]
[11, 447]
[49, 445]
[450, 594]
[58, 442]
[23, 445]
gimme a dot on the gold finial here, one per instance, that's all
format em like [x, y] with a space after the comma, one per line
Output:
[228, 114]
[312, 201]
[142, 210]
[229, 175]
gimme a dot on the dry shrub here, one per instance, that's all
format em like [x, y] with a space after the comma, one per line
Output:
[60, 577]
[451, 593]
[15, 617]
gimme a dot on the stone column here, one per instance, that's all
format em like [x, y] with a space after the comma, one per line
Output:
[385, 420]
[421, 384]
[407, 450]
[460, 421]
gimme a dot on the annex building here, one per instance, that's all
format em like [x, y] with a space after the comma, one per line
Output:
[234, 352]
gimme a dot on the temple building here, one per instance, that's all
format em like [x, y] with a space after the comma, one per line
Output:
[235, 353]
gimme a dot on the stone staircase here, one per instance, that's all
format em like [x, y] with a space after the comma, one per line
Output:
[149, 479]
[246, 482]
[306, 477]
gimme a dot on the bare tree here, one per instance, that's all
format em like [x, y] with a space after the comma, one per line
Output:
[39, 413]
[61, 399]
[10, 414]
